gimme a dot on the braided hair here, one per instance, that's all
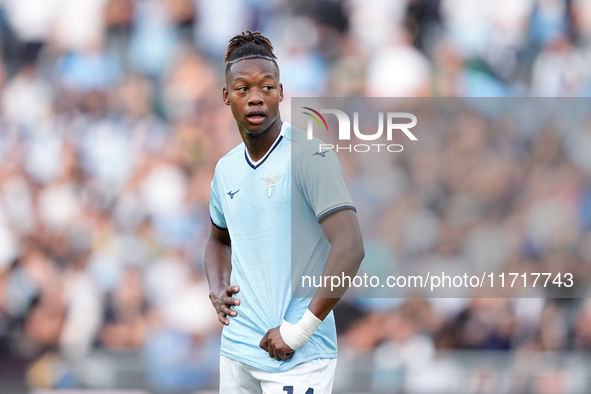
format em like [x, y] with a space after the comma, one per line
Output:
[249, 45]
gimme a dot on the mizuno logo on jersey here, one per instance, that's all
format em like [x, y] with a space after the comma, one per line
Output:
[271, 184]
[232, 194]
[320, 153]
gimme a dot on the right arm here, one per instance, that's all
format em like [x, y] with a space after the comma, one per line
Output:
[218, 267]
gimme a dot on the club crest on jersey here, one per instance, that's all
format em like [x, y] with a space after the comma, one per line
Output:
[271, 184]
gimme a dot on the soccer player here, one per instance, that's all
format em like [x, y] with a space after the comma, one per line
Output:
[273, 189]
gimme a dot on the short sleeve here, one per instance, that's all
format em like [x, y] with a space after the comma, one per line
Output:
[319, 176]
[216, 213]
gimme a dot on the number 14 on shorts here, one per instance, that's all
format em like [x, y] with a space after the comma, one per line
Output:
[289, 390]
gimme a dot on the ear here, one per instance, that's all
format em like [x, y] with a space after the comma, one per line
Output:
[225, 96]
[280, 92]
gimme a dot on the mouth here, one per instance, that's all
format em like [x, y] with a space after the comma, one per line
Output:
[256, 117]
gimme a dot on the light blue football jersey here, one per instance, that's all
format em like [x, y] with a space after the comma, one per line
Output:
[255, 202]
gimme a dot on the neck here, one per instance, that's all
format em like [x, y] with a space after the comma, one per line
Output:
[258, 144]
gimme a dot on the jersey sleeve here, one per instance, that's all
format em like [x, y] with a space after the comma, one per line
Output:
[319, 176]
[216, 213]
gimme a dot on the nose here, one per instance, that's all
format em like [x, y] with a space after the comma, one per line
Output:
[255, 97]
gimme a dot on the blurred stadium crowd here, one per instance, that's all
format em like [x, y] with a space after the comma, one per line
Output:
[112, 122]
[492, 186]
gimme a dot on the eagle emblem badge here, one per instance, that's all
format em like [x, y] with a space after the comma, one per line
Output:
[271, 184]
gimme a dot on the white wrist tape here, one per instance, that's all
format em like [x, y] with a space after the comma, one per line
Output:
[296, 335]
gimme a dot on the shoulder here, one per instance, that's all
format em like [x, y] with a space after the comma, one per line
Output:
[301, 146]
[229, 160]
[312, 158]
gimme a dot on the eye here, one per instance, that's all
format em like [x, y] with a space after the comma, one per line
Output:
[267, 88]
[242, 89]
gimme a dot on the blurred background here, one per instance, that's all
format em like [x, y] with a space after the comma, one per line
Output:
[111, 124]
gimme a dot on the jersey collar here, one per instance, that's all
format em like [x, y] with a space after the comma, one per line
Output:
[256, 164]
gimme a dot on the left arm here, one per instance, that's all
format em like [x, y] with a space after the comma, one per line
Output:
[344, 235]
[346, 252]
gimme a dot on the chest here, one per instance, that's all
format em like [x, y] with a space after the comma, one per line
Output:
[260, 195]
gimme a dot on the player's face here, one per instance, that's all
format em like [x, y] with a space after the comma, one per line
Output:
[253, 93]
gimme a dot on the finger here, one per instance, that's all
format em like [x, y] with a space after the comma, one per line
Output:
[222, 318]
[265, 341]
[288, 355]
[284, 356]
[231, 301]
[232, 290]
[276, 354]
[228, 311]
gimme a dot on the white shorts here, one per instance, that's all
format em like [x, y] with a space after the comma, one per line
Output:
[312, 377]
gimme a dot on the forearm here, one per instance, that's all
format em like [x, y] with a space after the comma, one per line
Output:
[218, 269]
[346, 252]
[218, 264]
[344, 259]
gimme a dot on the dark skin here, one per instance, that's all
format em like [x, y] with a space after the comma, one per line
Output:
[253, 93]
[218, 266]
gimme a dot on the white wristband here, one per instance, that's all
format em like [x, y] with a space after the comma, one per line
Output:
[296, 335]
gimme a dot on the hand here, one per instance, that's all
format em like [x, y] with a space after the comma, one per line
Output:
[222, 301]
[273, 343]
